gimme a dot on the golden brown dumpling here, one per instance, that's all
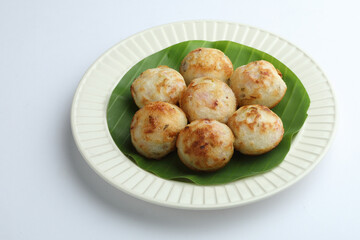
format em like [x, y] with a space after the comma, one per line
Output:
[208, 98]
[158, 84]
[258, 83]
[206, 62]
[257, 129]
[154, 129]
[205, 145]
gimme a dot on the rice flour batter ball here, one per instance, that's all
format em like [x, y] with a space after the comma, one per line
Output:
[154, 129]
[258, 83]
[205, 145]
[257, 129]
[208, 98]
[206, 62]
[158, 84]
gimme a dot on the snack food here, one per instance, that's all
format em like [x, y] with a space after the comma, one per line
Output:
[206, 62]
[208, 98]
[205, 145]
[154, 129]
[158, 84]
[258, 83]
[257, 129]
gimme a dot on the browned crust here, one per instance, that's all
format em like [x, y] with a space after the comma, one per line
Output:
[174, 85]
[160, 107]
[203, 139]
[227, 66]
[235, 126]
[265, 74]
[254, 112]
[152, 124]
[161, 85]
[198, 142]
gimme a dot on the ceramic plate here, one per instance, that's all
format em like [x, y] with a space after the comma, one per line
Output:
[93, 138]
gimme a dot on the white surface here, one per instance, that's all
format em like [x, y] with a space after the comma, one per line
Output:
[90, 130]
[47, 189]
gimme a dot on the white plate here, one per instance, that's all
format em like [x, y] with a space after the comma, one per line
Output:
[93, 139]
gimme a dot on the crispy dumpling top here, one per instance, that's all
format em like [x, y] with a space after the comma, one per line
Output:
[257, 129]
[154, 128]
[206, 62]
[258, 83]
[209, 98]
[205, 145]
[158, 84]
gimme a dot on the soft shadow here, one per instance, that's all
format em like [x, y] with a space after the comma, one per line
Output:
[114, 200]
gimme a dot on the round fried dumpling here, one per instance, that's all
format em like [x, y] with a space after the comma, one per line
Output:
[205, 145]
[158, 84]
[154, 129]
[258, 83]
[208, 98]
[206, 62]
[257, 129]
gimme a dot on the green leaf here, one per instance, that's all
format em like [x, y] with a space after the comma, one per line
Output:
[292, 110]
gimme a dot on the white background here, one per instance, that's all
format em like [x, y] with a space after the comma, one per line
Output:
[47, 191]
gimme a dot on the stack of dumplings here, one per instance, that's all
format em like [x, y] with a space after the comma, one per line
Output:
[226, 110]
